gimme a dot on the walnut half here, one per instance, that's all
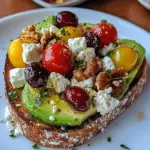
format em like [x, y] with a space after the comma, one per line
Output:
[112, 78]
[93, 67]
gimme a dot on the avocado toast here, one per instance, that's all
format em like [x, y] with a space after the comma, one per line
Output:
[43, 110]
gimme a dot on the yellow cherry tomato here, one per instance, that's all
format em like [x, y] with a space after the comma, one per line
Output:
[125, 57]
[68, 32]
[15, 54]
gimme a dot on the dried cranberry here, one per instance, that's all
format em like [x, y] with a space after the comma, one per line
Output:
[93, 41]
[36, 75]
[66, 18]
[77, 98]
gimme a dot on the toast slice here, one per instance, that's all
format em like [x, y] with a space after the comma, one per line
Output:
[53, 136]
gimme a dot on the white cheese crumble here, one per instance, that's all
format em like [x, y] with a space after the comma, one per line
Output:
[86, 55]
[10, 124]
[31, 53]
[52, 118]
[92, 93]
[105, 102]
[77, 44]
[17, 77]
[107, 49]
[88, 83]
[7, 113]
[108, 90]
[52, 102]
[53, 28]
[108, 63]
[58, 82]
[54, 109]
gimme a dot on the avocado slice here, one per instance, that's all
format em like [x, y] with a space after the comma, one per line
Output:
[86, 26]
[66, 115]
[45, 24]
[141, 55]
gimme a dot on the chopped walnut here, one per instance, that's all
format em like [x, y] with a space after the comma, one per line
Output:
[116, 83]
[115, 73]
[102, 81]
[29, 28]
[79, 75]
[93, 67]
[29, 35]
[46, 37]
[112, 79]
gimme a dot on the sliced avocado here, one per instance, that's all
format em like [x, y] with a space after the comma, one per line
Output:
[86, 26]
[141, 55]
[45, 24]
[65, 114]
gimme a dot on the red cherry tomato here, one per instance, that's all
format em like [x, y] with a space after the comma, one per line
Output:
[77, 98]
[57, 58]
[106, 32]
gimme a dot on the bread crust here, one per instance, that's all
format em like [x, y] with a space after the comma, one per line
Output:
[49, 135]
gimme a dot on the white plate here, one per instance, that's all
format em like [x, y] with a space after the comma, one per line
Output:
[129, 131]
[145, 3]
[67, 3]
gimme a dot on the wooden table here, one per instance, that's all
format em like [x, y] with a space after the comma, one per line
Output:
[128, 9]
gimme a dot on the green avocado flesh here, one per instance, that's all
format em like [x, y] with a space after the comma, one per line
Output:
[65, 115]
[45, 24]
[141, 55]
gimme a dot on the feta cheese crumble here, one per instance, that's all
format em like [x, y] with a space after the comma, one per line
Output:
[105, 102]
[53, 28]
[10, 124]
[52, 118]
[17, 77]
[54, 109]
[31, 53]
[52, 102]
[88, 83]
[58, 82]
[86, 55]
[107, 49]
[108, 63]
[7, 113]
[92, 93]
[108, 90]
[77, 44]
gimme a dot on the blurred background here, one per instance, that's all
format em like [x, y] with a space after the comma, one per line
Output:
[136, 11]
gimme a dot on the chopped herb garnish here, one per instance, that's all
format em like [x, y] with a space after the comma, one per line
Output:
[1, 121]
[12, 134]
[108, 73]
[13, 95]
[43, 93]
[63, 32]
[124, 146]
[109, 139]
[37, 101]
[89, 144]
[35, 146]
[79, 64]
[73, 148]
[34, 118]
[103, 21]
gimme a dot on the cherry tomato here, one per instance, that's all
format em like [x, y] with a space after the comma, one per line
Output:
[77, 98]
[57, 58]
[106, 32]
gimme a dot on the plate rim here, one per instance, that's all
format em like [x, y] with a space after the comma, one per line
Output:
[47, 5]
[7, 18]
[15, 16]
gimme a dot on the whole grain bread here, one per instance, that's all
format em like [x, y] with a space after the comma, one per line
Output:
[52, 136]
